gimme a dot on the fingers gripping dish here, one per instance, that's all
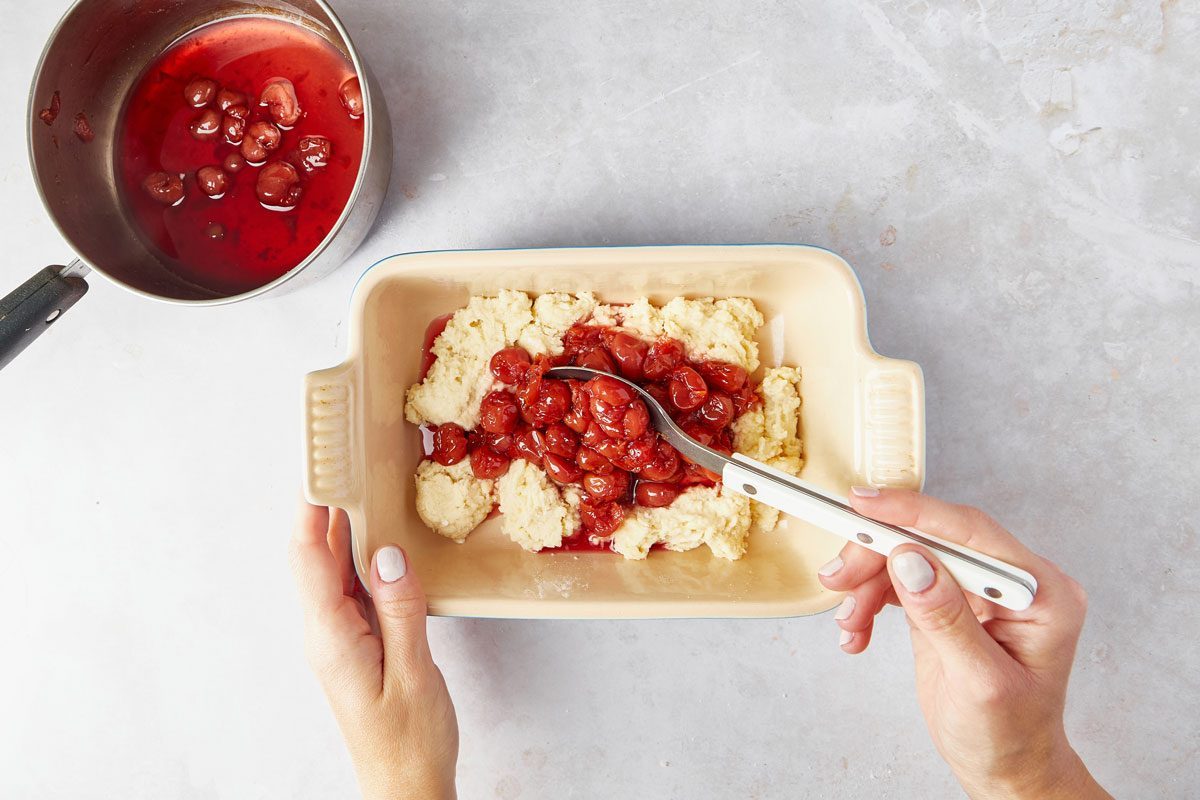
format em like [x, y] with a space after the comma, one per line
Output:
[576, 465]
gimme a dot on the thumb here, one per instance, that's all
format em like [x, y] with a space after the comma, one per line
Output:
[938, 609]
[399, 604]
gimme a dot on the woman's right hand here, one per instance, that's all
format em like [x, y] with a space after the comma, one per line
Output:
[992, 683]
[372, 658]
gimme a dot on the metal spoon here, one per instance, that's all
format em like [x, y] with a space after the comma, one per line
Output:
[990, 578]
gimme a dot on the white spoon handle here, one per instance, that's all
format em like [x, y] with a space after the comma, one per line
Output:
[979, 574]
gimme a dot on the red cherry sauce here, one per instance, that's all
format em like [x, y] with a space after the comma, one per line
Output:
[234, 244]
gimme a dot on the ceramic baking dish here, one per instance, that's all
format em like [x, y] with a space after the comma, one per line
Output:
[862, 422]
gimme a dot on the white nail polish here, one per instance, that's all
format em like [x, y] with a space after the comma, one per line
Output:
[846, 608]
[390, 563]
[864, 491]
[914, 571]
[830, 568]
[846, 638]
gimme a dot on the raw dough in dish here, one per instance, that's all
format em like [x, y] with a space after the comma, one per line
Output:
[552, 315]
[451, 500]
[459, 377]
[720, 330]
[537, 513]
[701, 515]
[770, 434]
[772, 430]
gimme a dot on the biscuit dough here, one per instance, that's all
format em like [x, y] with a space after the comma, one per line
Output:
[771, 434]
[701, 515]
[535, 512]
[451, 500]
[459, 377]
[553, 314]
[710, 329]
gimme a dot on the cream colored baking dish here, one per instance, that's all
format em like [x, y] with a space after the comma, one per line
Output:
[862, 420]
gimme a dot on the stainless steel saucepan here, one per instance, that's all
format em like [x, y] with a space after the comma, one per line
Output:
[92, 60]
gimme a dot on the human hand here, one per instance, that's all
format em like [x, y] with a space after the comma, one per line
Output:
[372, 658]
[992, 683]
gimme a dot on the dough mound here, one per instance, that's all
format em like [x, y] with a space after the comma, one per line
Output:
[535, 513]
[701, 515]
[553, 314]
[771, 434]
[460, 377]
[710, 329]
[451, 500]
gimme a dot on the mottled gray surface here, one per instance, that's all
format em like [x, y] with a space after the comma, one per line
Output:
[1016, 182]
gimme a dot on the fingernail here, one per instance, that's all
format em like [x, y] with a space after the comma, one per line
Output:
[390, 563]
[864, 491]
[830, 568]
[846, 638]
[846, 608]
[913, 571]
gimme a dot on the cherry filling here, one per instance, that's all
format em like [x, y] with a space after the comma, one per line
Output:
[597, 434]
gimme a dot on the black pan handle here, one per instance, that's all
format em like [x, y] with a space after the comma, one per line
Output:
[32, 307]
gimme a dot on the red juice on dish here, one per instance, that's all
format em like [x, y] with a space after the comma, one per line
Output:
[234, 209]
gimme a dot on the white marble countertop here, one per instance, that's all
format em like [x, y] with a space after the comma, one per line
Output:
[1017, 184]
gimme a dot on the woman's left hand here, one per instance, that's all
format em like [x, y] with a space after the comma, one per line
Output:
[371, 655]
